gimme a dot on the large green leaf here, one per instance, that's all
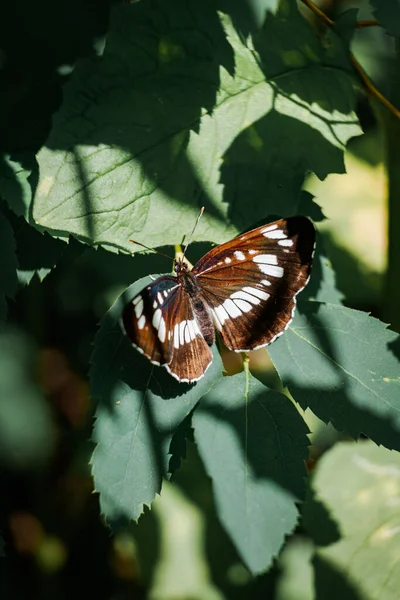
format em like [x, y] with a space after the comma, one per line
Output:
[344, 365]
[359, 485]
[138, 144]
[8, 265]
[253, 444]
[140, 408]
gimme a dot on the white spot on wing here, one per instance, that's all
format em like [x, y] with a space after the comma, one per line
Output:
[269, 228]
[157, 318]
[278, 234]
[196, 328]
[190, 330]
[187, 333]
[256, 292]
[220, 316]
[176, 335]
[271, 270]
[239, 255]
[228, 260]
[162, 332]
[231, 308]
[182, 332]
[243, 295]
[285, 243]
[265, 282]
[139, 307]
[253, 251]
[269, 259]
[141, 322]
[155, 304]
[159, 298]
[243, 305]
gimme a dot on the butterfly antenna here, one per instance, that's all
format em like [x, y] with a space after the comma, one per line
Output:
[193, 230]
[151, 249]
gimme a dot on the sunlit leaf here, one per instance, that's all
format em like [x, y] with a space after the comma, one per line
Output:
[179, 112]
[359, 485]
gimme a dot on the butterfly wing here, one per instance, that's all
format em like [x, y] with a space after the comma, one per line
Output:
[161, 324]
[250, 283]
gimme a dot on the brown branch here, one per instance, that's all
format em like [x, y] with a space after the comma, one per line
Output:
[361, 73]
[372, 89]
[367, 23]
[317, 11]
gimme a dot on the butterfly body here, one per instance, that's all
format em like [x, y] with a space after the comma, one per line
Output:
[244, 289]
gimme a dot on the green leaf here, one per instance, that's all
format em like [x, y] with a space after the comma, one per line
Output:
[322, 286]
[343, 365]
[16, 177]
[138, 144]
[359, 485]
[140, 408]
[253, 446]
[388, 14]
[8, 265]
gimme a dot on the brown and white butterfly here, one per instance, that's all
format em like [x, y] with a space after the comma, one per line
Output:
[244, 289]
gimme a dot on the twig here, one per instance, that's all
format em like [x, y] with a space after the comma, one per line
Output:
[362, 74]
[317, 11]
[367, 23]
[372, 89]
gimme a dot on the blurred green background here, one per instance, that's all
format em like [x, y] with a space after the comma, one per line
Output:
[49, 514]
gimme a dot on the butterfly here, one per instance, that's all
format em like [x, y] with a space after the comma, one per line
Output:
[244, 289]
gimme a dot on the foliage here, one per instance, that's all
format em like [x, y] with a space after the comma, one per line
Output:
[191, 104]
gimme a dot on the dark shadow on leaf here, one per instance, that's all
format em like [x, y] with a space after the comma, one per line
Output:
[159, 71]
[322, 285]
[264, 168]
[394, 347]
[317, 521]
[270, 432]
[331, 584]
[314, 360]
[337, 407]
[285, 59]
[140, 406]
[178, 450]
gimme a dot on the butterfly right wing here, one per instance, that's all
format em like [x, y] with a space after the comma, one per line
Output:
[160, 323]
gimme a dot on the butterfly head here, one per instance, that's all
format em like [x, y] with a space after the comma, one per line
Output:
[180, 267]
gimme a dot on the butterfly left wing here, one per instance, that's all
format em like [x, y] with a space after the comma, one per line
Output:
[250, 283]
[161, 324]
[146, 320]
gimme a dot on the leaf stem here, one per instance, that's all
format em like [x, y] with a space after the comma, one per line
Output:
[246, 368]
[360, 71]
